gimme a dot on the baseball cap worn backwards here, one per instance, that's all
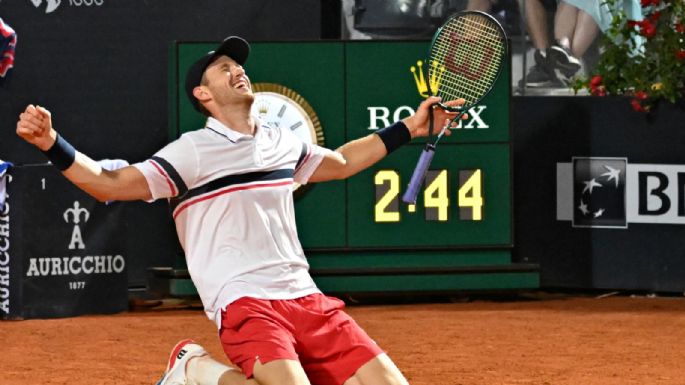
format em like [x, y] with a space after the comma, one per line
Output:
[233, 46]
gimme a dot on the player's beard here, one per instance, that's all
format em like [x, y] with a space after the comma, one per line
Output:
[232, 98]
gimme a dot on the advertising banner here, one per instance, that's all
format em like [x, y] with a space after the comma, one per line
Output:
[61, 251]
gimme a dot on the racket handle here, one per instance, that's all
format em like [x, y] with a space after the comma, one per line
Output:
[419, 174]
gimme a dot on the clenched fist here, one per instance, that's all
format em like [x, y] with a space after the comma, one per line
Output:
[35, 127]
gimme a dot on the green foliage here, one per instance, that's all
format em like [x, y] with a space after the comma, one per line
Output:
[642, 59]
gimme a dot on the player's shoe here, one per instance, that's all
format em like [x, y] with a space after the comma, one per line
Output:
[176, 369]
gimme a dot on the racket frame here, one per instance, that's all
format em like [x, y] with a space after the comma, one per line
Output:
[426, 157]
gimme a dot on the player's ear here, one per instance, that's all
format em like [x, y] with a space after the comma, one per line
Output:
[201, 93]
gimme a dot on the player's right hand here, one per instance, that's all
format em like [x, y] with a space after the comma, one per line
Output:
[418, 122]
[35, 127]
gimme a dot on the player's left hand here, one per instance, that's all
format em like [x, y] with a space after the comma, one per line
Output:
[418, 123]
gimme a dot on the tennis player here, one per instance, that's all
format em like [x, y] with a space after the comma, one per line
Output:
[230, 187]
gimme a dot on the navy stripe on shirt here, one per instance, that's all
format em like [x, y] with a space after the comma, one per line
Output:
[230, 180]
[173, 174]
[303, 154]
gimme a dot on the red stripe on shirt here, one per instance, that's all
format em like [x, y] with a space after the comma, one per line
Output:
[230, 190]
[164, 174]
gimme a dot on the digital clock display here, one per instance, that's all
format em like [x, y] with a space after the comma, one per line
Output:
[465, 200]
[437, 196]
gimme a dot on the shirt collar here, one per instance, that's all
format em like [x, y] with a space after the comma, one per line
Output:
[231, 134]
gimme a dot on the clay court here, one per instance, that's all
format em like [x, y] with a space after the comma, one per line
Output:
[538, 339]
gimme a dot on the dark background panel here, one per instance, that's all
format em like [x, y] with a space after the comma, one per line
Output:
[538, 124]
[551, 130]
[102, 70]
[57, 233]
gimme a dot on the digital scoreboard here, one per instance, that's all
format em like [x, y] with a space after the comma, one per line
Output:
[463, 215]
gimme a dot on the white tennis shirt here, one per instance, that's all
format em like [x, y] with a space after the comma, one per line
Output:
[231, 196]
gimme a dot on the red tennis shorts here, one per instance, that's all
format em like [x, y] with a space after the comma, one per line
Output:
[313, 330]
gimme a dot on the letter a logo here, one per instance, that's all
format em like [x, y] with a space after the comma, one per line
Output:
[76, 239]
[75, 213]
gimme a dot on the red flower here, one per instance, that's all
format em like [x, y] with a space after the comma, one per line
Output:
[598, 90]
[596, 87]
[680, 54]
[596, 81]
[637, 106]
[654, 17]
[647, 29]
[679, 28]
[641, 95]
[646, 3]
[632, 23]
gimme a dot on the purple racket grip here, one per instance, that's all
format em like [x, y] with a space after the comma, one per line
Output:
[418, 175]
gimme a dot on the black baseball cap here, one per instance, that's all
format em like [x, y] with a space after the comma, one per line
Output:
[233, 46]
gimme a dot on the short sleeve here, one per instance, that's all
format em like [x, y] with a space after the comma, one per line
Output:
[310, 159]
[172, 169]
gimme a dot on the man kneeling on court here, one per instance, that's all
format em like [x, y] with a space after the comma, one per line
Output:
[230, 186]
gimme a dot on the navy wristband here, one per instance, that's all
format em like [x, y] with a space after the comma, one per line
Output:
[394, 136]
[61, 154]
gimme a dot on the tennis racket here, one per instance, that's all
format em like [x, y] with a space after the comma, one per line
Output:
[466, 55]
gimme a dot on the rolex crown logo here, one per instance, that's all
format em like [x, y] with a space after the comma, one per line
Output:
[436, 72]
[262, 108]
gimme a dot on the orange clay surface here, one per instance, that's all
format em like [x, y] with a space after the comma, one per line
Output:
[546, 340]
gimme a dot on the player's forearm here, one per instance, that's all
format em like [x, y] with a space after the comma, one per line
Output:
[123, 184]
[82, 171]
[360, 154]
[89, 176]
[363, 153]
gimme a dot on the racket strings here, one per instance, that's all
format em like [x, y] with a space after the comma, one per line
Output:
[478, 37]
[474, 43]
[468, 51]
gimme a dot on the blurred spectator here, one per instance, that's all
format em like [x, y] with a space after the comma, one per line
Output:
[577, 23]
[536, 14]
[480, 5]
[540, 74]
[505, 11]
[575, 29]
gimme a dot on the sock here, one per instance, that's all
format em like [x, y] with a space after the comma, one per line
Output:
[205, 371]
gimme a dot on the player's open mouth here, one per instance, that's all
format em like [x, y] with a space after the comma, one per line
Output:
[240, 84]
